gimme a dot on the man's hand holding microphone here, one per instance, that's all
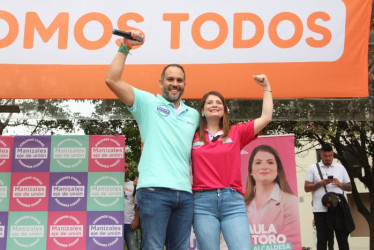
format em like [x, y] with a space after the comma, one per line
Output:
[131, 37]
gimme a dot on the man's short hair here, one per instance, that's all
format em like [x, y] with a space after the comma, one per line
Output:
[326, 147]
[172, 65]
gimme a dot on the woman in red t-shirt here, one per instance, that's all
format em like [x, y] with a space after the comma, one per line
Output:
[218, 193]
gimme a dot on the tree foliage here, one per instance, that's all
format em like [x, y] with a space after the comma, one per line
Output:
[38, 117]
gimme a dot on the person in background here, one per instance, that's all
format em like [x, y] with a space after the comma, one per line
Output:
[217, 183]
[131, 213]
[338, 183]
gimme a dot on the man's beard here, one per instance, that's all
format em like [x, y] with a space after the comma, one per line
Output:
[173, 99]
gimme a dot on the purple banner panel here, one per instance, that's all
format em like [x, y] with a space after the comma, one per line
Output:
[104, 230]
[3, 229]
[68, 191]
[31, 153]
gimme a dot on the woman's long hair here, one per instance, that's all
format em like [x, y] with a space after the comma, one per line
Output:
[224, 123]
[281, 176]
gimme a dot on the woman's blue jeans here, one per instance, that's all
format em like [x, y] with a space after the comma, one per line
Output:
[221, 209]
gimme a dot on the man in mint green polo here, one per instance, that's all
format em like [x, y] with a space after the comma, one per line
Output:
[167, 126]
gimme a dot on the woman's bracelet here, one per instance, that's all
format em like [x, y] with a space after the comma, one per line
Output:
[267, 90]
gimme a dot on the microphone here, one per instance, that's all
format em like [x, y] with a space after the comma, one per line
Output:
[125, 34]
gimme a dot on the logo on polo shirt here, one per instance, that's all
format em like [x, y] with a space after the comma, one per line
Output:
[163, 110]
[189, 122]
[228, 140]
[197, 144]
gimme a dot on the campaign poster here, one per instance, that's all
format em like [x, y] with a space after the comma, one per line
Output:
[268, 170]
[27, 230]
[29, 192]
[69, 153]
[105, 192]
[6, 150]
[105, 230]
[68, 191]
[31, 153]
[61, 192]
[66, 230]
[3, 229]
[4, 191]
[107, 153]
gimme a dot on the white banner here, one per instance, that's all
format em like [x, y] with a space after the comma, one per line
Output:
[79, 32]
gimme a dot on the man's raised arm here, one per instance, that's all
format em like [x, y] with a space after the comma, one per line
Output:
[121, 89]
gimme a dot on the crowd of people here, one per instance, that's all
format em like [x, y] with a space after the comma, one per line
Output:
[178, 138]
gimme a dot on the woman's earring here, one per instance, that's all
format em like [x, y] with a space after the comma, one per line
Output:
[202, 115]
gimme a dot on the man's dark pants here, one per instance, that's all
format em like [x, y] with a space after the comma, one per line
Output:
[324, 230]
